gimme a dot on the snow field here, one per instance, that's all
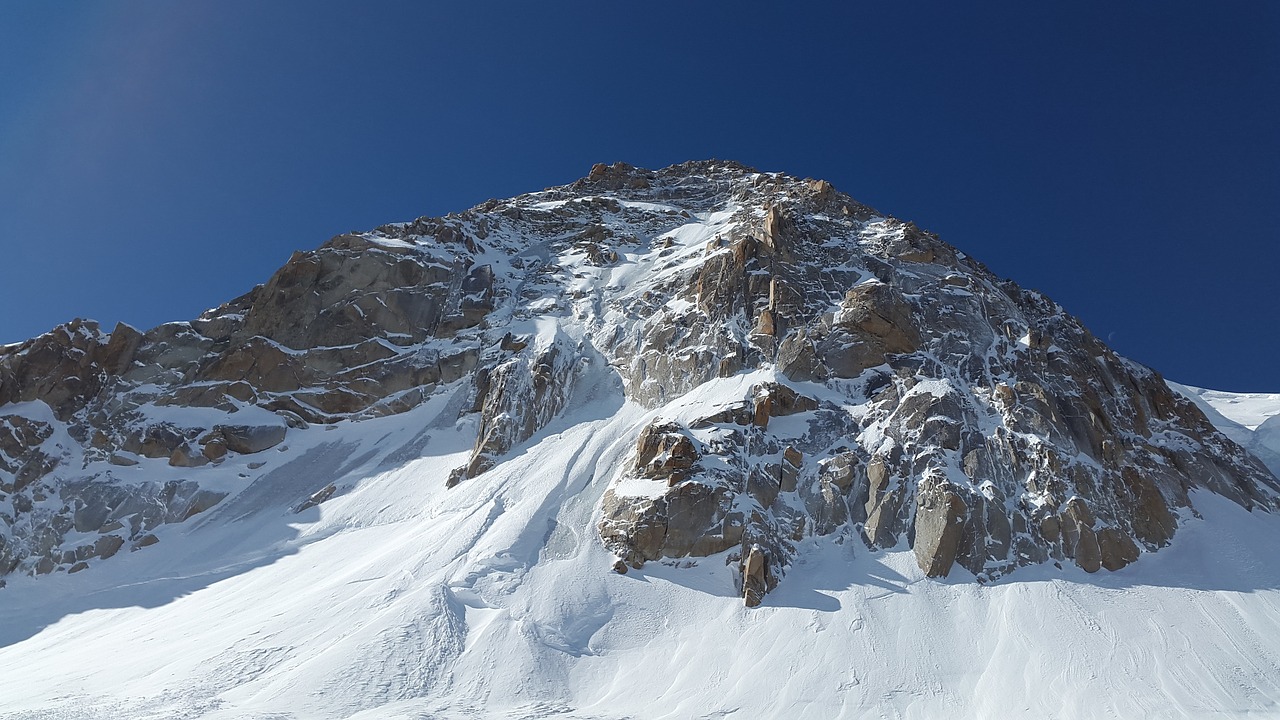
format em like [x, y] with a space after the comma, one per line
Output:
[400, 599]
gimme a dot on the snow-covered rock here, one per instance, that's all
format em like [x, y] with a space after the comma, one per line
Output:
[533, 459]
[811, 367]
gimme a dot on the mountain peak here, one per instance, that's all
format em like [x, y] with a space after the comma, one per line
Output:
[801, 366]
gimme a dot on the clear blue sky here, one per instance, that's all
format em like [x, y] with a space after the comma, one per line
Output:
[158, 158]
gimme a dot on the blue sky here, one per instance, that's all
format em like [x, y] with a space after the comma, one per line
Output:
[160, 158]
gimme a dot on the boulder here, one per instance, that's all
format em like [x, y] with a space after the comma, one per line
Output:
[1116, 548]
[940, 517]
[754, 585]
[663, 449]
[248, 439]
[188, 457]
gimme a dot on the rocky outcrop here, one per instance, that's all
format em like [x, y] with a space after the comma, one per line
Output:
[366, 325]
[983, 425]
[754, 585]
[516, 399]
[939, 525]
[809, 367]
[102, 516]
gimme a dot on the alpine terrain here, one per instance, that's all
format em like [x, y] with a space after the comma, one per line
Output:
[696, 442]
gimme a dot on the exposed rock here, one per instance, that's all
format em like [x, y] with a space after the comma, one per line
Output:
[960, 415]
[317, 497]
[634, 528]
[521, 395]
[248, 439]
[777, 400]
[107, 546]
[940, 516]
[123, 459]
[664, 451]
[62, 368]
[1116, 548]
[215, 449]
[186, 456]
[753, 577]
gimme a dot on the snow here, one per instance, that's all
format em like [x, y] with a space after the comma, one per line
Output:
[391, 243]
[1252, 420]
[399, 598]
[1247, 409]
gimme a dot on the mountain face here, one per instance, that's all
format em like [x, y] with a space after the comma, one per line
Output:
[805, 367]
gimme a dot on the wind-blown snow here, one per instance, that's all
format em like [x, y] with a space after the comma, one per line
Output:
[399, 599]
[1252, 420]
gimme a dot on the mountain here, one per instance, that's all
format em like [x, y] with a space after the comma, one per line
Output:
[640, 445]
[1247, 418]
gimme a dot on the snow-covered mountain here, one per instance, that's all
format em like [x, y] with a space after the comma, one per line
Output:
[696, 442]
[1247, 418]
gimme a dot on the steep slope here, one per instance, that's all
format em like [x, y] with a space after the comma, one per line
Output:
[818, 368]
[396, 478]
[1249, 419]
[401, 598]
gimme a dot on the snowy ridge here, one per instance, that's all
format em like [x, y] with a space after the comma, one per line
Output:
[529, 460]
[1250, 419]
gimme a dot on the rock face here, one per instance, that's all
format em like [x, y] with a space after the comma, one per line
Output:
[808, 366]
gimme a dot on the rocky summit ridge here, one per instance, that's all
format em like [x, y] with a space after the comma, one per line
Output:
[808, 365]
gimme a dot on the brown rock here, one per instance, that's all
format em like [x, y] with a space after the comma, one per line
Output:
[57, 367]
[778, 400]
[940, 516]
[798, 357]
[882, 505]
[828, 508]
[186, 456]
[761, 410]
[877, 310]
[123, 459]
[765, 323]
[697, 521]
[841, 470]
[118, 354]
[789, 469]
[1116, 548]
[215, 449]
[1078, 538]
[1088, 554]
[662, 449]
[793, 457]
[634, 528]
[249, 439]
[318, 497]
[754, 585]
[1153, 523]
[107, 545]
[1050, 529]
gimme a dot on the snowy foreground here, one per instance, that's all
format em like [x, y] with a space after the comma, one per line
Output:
[401, 599]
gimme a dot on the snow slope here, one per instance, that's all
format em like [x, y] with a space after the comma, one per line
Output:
[399, 599]
[402, 598]
[1250, 419]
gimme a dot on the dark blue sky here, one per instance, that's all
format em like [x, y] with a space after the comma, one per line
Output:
[159, 158]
